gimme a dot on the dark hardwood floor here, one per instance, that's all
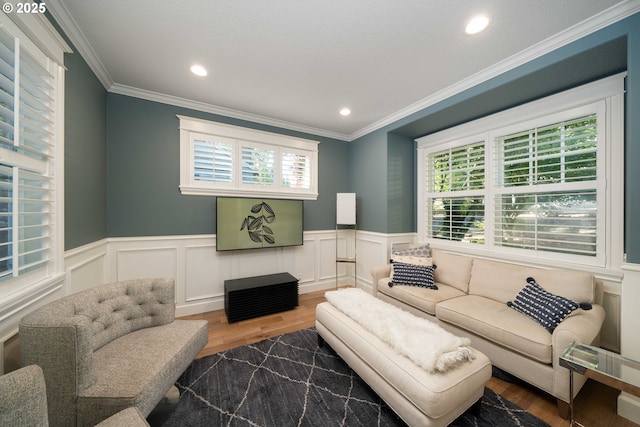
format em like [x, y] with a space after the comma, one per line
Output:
[595, 404]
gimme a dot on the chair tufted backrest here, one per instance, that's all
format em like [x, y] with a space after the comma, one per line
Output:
[119, 308]
[61, 336]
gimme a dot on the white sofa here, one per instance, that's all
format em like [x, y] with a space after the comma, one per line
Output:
[471, 300]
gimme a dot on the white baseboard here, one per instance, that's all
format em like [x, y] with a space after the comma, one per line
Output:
[629, 407]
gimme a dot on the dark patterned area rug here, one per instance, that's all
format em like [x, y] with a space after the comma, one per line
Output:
[289, 381]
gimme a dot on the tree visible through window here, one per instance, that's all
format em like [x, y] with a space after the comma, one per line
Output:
[559, 221]
[527, 183]
[455, 182]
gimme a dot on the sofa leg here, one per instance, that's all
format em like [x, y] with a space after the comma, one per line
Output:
[563, 409]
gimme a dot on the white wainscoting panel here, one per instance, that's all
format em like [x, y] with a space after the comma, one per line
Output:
[300, 261]
[372, 251]
[629, 405]
[203, 272]
[86, 267]
[610, 335]
[140, 262]
[200, 271]
[326, 252]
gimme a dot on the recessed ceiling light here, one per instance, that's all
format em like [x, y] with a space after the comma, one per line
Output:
[477, 24]
[199, 70]
[345, 112]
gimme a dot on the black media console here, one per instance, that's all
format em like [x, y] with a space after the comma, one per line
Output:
[256, 296]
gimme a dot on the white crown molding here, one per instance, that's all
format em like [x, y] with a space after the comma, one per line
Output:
[62, 16]
[571, 34]
[222, 111]
[591, 25]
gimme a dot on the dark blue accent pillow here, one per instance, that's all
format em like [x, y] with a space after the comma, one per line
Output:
[412, 275]
[544, 307]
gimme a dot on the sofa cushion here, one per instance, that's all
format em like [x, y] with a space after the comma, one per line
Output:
[496, 322]
[419, 251]
[412, 275]
[452, 270]
[138, 368]
[423, 299]
[409, 259]
[501, 281]
[544, 307]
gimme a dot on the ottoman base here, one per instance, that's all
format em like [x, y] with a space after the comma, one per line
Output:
[418, 397]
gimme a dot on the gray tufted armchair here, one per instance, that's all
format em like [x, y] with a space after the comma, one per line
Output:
[109, 348]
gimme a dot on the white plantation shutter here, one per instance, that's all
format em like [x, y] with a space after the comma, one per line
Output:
[27, 101]
[296, 170]
[224, 160]
[546, 188]
[455, 182]
[560, 153]
[258, 166]
[213, 161]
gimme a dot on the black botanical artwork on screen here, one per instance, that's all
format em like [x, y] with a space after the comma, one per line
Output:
[256, 223]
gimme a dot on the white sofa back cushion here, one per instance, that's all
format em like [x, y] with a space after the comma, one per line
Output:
[502, 282]
[452, 270]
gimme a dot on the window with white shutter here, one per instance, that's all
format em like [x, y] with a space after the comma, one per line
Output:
[225, 160]
[547, 187]
[455, 193]
[543, 180]
[31, 101]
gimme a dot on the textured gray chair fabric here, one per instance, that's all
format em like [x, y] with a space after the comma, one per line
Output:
[23, 402]
[23, 398]
[109, 348]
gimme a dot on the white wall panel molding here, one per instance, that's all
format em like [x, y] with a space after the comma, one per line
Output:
[200, 271]
[87, 272]
[144, 261]
[629, 405]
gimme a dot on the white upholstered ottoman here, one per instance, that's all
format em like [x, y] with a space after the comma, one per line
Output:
[419, 397]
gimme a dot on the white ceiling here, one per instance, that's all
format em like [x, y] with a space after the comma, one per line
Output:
[295, 63]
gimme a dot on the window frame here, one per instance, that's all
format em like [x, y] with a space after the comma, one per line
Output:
[38, 37]
[604, 97]
[192, 128]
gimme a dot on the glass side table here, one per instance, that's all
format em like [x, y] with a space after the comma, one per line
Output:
[600, 365]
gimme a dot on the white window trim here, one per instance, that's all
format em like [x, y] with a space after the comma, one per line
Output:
[192, 127]
[41, 40]
[608, 91]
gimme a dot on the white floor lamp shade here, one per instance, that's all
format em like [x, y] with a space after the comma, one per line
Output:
[346, 208]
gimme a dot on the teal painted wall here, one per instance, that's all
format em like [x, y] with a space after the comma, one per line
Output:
[401, 188]
[369, 180]
[85, 178]
[632, 144]
[143, 173]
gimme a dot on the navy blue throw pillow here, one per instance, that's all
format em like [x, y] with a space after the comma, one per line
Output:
[412, 275]
[544, 307]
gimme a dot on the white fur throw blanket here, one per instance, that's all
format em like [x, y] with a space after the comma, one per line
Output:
[423, 342]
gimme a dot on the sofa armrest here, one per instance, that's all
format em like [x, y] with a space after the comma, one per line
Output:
[377, 273]
[583, 326]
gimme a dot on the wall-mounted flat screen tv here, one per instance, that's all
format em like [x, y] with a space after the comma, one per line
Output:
[252, 223]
